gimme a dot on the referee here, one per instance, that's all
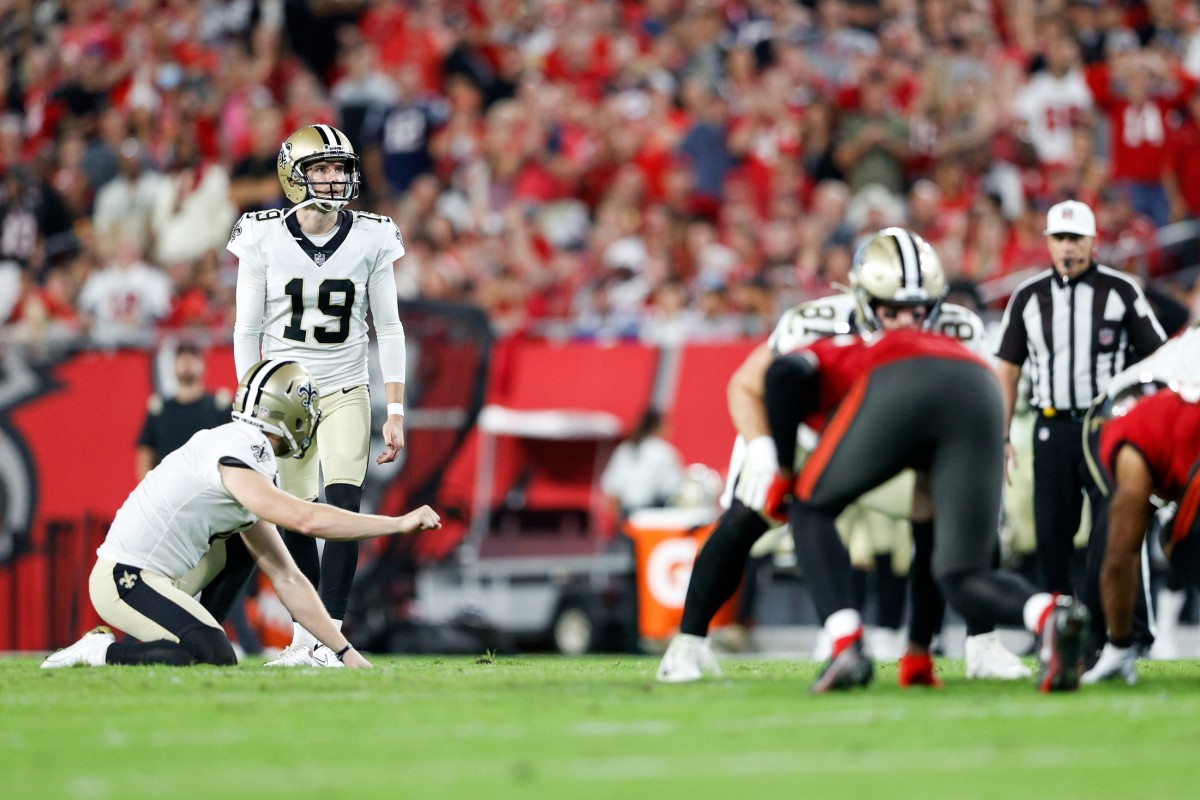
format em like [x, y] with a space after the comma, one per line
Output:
[1077, 325]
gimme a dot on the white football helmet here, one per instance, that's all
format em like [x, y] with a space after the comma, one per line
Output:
[304, 148]
[896, 267]
[280, 397]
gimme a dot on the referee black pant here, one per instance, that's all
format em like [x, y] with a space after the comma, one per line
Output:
[1061, 479]
[1060, 482]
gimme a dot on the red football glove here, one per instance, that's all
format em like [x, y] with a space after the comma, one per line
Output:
[779, 494]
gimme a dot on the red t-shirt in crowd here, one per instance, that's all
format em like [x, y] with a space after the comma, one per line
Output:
[1183, 159]
[1138, 131]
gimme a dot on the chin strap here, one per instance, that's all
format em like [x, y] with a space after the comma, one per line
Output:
[337, 205]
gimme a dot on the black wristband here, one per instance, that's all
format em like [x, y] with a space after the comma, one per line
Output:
[1122, 642]
[341, 654]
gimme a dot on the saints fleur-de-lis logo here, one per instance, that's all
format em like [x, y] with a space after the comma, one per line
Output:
[128, 579]
[306, 394]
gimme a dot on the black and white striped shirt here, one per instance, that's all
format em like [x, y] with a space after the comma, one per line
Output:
[1077, 334]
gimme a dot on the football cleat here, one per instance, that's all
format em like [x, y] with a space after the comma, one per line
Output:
[322, 656]
[912, 670]
[1061, 650]
[1114, 663]
[295, 655]
[89, 651]
[688, 658]
[848, 669]
[986, 657]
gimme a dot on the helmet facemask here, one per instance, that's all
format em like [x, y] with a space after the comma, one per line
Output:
[896, 269]
[327, 196]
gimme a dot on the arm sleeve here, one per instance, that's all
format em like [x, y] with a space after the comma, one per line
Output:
[1145, 333]
[790, 393]
[1014, 344]
[385, 311]
[247, 326]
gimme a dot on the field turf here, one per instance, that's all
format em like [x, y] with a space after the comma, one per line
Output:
[550, 727]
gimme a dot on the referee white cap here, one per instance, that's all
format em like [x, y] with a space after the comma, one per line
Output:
[1070, 216]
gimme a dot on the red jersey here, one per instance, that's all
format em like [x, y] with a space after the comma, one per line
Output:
[1139, 131]
[1183, 159]
[1165, 430]
[844, 360]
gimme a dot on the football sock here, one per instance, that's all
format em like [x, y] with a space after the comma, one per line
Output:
[304, 553]
[928, 606]
[339, 560]
[718, 568]
[301, 637]
[889, 592]
[844, 628]
[824, 558]
[1037, 609]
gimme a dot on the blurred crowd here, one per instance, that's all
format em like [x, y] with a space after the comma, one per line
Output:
[663, 170]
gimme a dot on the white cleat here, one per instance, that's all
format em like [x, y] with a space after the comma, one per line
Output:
[1114, 663]
[296, 655]
[986, 657]
[322, 656]
[688, 658]
[89, 651]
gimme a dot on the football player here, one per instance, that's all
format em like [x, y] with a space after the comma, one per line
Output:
[896, 282]
[1175, 364]
[211, 502]
[305, 281]
[882, 405]
[1149, 446]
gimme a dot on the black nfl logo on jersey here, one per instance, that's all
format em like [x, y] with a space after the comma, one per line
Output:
[318, 258]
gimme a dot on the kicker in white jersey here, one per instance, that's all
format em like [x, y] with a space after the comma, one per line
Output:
[167, 523]
[312, 294]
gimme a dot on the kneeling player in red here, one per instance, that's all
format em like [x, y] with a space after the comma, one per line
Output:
[1150, 446]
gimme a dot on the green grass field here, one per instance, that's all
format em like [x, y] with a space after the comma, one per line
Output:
[551, 727]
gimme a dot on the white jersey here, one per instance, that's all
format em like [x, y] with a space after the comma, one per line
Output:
[168, 522]
[1052, 107]
[1176, 361]
[125, 302]
[828, 316]
[308, 302]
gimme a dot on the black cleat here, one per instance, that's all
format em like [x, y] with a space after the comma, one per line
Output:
[852, 667]
[1061, 651]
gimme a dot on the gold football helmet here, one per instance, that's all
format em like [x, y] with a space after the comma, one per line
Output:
[306, 147]
[896, 267]
[280, 397]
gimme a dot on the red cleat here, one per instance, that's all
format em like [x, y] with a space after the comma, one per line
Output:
[916, 671]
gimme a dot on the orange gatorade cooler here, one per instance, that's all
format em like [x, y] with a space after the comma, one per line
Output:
[665, 544]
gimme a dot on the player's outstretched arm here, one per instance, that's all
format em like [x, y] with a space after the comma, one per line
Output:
[320, 520]
[296, 593]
